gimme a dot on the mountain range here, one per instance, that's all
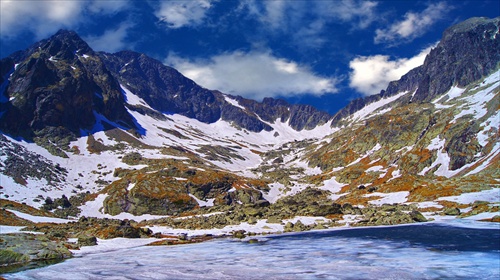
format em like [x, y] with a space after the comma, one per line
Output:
[94, 134]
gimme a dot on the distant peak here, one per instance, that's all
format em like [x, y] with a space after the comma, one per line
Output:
[65, 32]
[68, 42]
[471, 24]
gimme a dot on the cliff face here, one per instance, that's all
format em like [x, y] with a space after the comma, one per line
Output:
[467, 52]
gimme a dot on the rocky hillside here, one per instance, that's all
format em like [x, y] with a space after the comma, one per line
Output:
[124, 136]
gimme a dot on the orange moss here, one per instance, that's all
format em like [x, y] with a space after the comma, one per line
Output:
[424, 155]
[450, 204]
[386, 177]
[238, 143]
[335, 217]
[430, 209]
[356, 198]
[256, 152]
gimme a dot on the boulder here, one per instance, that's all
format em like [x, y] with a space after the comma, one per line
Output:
[451, 211]
[25, 248]
[239, 234]
[299, 226]
[417, 216]
[85, 240]
[274, 220]
[288, 227]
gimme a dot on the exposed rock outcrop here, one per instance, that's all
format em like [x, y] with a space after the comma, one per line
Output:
[60, 82]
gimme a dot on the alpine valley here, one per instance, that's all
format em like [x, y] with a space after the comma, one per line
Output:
[100, 145]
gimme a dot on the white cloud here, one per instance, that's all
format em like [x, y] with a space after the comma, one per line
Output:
[112, 40]
[177, 14]
[371, 74]
[280, 14]
[308, 22]
[359, 13]
[108, 6]
[253, 75]
[413, 25]
[44, 18]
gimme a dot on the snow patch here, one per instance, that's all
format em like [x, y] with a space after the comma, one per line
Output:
[492, 195]
[389, 198]
[202, 203]
[376, 168]
[233, 102]
[332, 185]
[429, 204]
[372, 107]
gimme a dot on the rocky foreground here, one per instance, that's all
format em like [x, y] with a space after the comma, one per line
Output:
[56, 241]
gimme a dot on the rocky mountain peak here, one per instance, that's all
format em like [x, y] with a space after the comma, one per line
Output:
[59, 84]
[467, 52]
[66, 44]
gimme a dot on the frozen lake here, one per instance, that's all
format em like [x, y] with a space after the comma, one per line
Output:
[426, 251]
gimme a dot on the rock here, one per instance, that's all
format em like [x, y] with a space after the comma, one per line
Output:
[451, 211]
[299, 226]
[252, 221]
[24, 248]
[417, 216]
[86, 240]
[320, 226]
[496, 219]
[288, 227]
[239, 234]
[347, 208]
[262, 203]
[250, 211]
[146, 232]
[324, 210]
[274, 220]
[388, 207]
[8, 257]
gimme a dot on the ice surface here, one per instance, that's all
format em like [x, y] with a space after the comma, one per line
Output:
[342, 254]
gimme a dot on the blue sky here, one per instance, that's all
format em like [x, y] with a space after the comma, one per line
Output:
[324, 53]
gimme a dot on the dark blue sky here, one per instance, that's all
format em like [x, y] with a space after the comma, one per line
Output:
[323, 53]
